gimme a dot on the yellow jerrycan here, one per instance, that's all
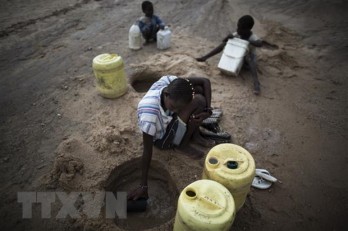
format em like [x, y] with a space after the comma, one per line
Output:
[110, 75]
[233, 167]
[204, 205]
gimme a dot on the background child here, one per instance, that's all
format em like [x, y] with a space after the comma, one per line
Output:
[244, 26]
[150, 23]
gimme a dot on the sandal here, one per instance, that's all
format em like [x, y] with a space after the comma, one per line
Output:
[219, 137]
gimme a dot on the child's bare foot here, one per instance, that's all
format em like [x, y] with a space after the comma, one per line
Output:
[190, 152]
[149, 41]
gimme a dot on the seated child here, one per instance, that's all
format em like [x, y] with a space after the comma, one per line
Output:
[169, 116]
[244, 26]
[150, 23]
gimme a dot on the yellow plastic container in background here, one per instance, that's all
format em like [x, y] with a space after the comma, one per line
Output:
[204, 205]
[233, 167]
[111, 77]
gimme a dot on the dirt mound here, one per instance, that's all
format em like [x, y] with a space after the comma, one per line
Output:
[112, 140]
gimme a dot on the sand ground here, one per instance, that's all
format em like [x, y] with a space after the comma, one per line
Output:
[58, 134]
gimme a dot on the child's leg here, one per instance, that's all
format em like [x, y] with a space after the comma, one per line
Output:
[251, 61]
[150, 33]
[154, 32]
[146, 35]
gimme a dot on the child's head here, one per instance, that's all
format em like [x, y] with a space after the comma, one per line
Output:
[244, 26]
[178, 94]
[147, 8]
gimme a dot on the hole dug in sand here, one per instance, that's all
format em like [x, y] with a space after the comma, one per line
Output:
[142, 80]
[163, 194]
[169, 63]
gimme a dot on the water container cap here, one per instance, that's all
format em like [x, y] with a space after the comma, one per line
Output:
[105, 59]
[213, 161]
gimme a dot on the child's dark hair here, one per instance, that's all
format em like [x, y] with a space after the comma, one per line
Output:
[181, 90]
[146, 5]
[246, 22]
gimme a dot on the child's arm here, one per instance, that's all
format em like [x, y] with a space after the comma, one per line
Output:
[229, 36]
[159, 22]
[147, 156]
[215, 51]
[256, 43]
[142, 190]
[202, 88]
[269, 45]
[260, 43]
[205, 85]
[142, 24]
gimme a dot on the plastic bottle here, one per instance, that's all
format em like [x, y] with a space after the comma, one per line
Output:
[134, 37]
[163, 38]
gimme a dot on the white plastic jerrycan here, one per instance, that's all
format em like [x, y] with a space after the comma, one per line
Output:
[163, 38]
[233, 55]
[135, 38]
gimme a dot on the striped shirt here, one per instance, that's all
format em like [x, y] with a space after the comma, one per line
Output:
[152, 119]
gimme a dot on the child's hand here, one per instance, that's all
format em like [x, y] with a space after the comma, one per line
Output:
[269, 45]
[138, 193]
[198, 118]
[201, 59]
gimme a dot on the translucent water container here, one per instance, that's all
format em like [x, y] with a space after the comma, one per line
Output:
[163, 38]
[204, 205]
[135, 38]
[110, 75]
[233, 167]
[233, 55]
